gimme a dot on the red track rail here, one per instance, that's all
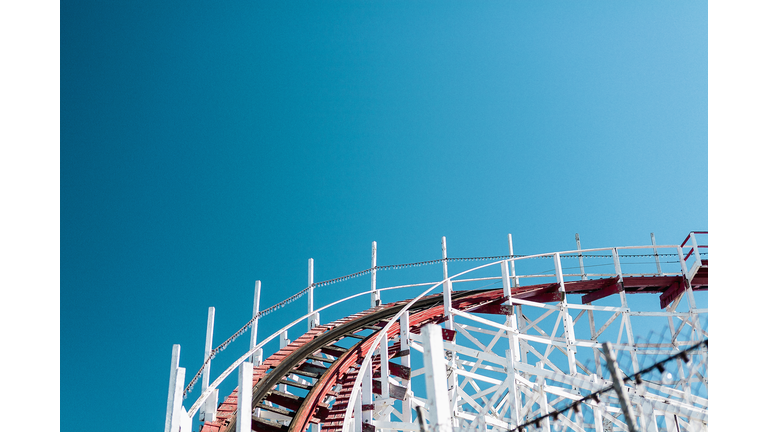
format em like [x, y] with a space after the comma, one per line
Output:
[295, 358]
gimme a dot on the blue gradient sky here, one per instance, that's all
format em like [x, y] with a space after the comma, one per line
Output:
[205, 146]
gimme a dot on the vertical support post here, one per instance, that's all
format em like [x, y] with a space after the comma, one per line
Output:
[438, 404]
[559, 273]
[453, 382]
[543, 403]
[367, 396]
[514, 395]
[513, 353]
[447, 288]
[256, 358]
[625, 316]
[597, 411]
[656, 254]
[209, 407]
[244, 396]
[405, 344]
[570, 338]
[173, 409]
[512, 261]
[284, 341]
[384, 356]
[314, 318]
[375, 295]
[618, 386]
[581, 258]
[649, 418]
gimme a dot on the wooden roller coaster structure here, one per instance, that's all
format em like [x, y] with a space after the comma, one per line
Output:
[504, 370]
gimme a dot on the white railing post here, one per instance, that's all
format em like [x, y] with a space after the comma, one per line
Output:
[375, 295]
[367, 394]
[438, 403]
[512, 262]
[656, 254]
[405, 344]
[209, 407]
[314, 318]
[244, 396]
[581, 258]
[570, 338]
[625, 316]
[173, 409]
[447, 288]
[384, 355]
[559, 273]
[257, 357]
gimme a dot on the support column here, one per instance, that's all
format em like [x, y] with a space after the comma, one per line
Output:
[581, 258]
[625, 316]
[173, 409]
[208, 410]
[284, 341]
[656, 254]
[447, 288]
[314, 318]
[438, 403]
[244, 396]
[405, 344]
[375, 294]
[367, 397]
[257, 356]
[513, 353]
[384, 356]
[453, 382]
[570, 338]
[512, 262]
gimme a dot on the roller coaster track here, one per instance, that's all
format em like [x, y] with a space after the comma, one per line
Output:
[316, 378]
[315, 355]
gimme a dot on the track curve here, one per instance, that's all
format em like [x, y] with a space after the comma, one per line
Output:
[316, 365]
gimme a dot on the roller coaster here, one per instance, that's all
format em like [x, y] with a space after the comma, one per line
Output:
[521, 339]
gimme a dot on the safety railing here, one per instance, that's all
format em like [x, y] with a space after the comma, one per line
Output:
[613, 256]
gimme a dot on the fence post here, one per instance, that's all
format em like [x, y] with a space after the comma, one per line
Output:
[244, 396]
[209, 407]
[438, 403]
[375, 295]
[257, 356]
[447, 288]
[512, 262]
[314, 318]
[173, 410]
[405, 345]
[656, 254]
[581, 258]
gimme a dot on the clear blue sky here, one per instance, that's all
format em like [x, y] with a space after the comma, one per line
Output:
[205, 146]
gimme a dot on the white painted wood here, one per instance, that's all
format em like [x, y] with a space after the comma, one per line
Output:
[405, 344]
[244, 396]
[621, 391]
[375, 295]
[559, 273]
[581, 258]
[512, 261]
[438, 403]
[209, 410]
[367, 392]
[256, 358]
[172, 386]
[314, 317]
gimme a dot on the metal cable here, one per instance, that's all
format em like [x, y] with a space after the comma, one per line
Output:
[299, 294]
